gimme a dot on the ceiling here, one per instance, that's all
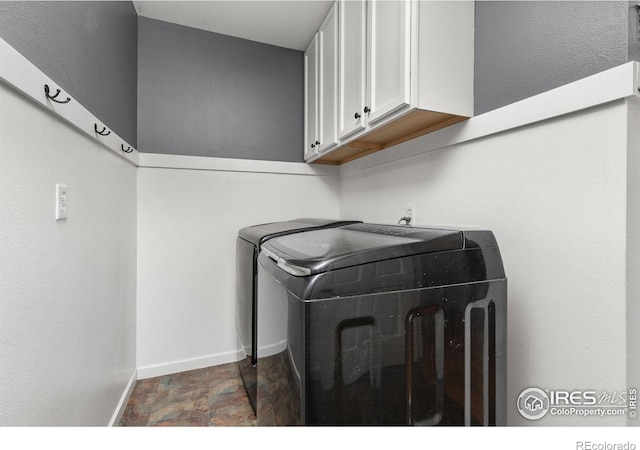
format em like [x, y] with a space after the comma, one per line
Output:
[288, 23]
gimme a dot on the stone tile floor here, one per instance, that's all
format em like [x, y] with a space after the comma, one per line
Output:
[213, 396]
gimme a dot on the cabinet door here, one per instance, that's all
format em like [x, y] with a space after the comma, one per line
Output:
[388, 57]
[311, 99]
[328, 81]
[352, 41]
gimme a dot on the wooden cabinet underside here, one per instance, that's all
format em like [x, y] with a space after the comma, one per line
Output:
[410, 126]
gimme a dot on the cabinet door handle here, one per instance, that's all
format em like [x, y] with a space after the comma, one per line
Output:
[366, 109]
[357, 115]
[313, 145]
[317, 142]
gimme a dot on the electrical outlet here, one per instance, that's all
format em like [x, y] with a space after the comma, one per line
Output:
[62, 193]
[410, 211]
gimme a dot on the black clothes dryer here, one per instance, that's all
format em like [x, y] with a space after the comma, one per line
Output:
[384, 325]
[248, 244]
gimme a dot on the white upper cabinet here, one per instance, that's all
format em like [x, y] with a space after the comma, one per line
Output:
[352, 68]
[321, 88]
[311, 125]
[328, 81]
[405, 68]
[388, 58]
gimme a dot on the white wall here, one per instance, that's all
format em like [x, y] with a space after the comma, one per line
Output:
[555, 195]
[188, 221]
[67, 289]
[633, 247]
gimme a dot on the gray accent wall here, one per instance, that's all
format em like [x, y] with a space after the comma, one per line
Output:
[89, 48]
[633, 53]
[523, 48]
[206, 94]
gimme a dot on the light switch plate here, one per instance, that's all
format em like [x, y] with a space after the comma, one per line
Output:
[62, 198]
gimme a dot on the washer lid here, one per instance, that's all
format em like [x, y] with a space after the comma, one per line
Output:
[317, 251]
[258, 234]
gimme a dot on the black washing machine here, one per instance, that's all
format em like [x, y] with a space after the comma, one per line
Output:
[248, 244]
[384, 325]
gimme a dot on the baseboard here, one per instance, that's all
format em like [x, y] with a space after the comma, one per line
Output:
[124, 399]
[158, 370]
